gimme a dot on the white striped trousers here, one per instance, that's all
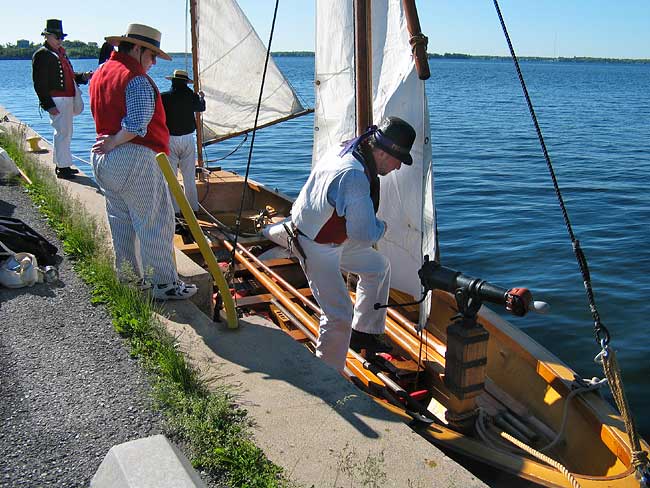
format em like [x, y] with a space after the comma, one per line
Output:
[138, 205]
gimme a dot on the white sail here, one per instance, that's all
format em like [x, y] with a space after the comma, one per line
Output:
[231, 63]
[406, 195]
[334, 108]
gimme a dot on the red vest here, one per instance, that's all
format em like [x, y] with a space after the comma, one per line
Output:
[68, 77]
[108, 102]
[334, 231]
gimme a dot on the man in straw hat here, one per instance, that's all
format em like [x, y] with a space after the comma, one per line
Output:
[335, 226]
[130, 124]
[55, 84]
[181, 104]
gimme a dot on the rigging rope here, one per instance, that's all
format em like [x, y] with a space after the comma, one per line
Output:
[610, 365]
[227, 155]
[599, 327]
[543, 457]
[250, 152]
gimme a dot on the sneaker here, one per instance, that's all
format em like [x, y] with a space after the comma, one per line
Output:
[66, 173]
[174, 291]
[372, 343]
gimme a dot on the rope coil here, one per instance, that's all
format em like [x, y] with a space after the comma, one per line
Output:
[418, 40]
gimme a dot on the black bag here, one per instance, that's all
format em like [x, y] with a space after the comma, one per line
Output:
[20, 237]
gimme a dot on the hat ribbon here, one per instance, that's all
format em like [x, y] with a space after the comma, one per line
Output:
[145, 39]
[352, 144]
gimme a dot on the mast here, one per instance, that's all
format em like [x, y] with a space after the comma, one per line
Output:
[363, 63]
[197, 82]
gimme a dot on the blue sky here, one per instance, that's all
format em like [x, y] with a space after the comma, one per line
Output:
[596, 28]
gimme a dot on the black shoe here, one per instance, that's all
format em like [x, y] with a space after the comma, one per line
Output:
[372, 343]
[66, 173]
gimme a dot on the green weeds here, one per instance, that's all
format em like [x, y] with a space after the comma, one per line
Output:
[208, 422]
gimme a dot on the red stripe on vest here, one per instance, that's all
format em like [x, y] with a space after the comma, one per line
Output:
[333, 232]
[68, 77]
[108, 102]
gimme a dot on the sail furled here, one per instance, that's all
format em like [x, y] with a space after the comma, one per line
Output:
[231, 63]
[407, 194]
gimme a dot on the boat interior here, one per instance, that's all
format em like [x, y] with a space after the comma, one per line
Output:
[517, 386]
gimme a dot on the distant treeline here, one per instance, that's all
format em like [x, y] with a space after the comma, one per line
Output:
[79, 49]
[74, 49]
[499, 58]
[580, 59]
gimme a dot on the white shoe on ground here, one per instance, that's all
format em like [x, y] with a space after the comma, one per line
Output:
[173, 291]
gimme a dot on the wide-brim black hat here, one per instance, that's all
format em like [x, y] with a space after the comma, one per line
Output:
[54, 27]
[396, 136]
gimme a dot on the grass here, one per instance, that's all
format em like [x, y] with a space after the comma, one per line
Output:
[208, 421]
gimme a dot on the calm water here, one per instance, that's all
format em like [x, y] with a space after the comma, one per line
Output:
[497, 212]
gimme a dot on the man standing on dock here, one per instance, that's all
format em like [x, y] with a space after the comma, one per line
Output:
[130, 124]
[55, 83]
[335, 219]
[181, 104]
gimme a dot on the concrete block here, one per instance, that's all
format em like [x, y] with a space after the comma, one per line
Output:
[152, 462]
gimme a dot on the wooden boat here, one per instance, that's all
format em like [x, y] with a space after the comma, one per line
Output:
[480, 388]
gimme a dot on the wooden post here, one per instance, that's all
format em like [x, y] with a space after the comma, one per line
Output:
[363, 63]
[197, 84]
[465, 370]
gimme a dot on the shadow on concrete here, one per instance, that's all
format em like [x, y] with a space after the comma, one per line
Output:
[84, 180]
[269, 360]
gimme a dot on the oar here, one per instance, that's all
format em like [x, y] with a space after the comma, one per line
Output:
[199, 238]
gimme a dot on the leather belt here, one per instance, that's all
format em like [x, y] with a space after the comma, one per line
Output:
[293, 232]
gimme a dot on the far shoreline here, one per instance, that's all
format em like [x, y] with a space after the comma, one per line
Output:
[445, 56]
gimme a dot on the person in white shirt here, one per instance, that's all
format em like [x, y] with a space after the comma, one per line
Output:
[335, 220]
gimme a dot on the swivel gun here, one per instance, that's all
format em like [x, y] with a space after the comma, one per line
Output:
[517, 301]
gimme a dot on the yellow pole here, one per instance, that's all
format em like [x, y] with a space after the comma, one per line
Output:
[200, 239]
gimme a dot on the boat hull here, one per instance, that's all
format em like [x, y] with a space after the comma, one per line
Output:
[526, 384]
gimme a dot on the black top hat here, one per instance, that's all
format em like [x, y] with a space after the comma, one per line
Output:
[54, 27]
[396, 136]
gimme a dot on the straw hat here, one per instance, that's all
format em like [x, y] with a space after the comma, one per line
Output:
[142, 35]
[180, 74]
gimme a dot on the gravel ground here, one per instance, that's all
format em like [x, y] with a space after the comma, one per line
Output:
[69, 390]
